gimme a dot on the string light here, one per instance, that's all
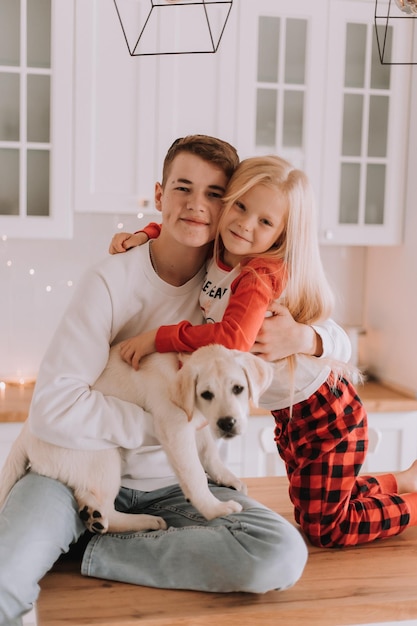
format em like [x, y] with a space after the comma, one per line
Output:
[46, 288]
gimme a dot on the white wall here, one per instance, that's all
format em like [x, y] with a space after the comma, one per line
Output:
[29, 313]
[391, 289]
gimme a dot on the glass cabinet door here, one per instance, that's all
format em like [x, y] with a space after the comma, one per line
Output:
[26, 120]
[365, 132]
[365, 129]
[25, 78]
[281, 81]
[280, 85]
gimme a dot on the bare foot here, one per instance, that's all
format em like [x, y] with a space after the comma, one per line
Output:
[407, 479]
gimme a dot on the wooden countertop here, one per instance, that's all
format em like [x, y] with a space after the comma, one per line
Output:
[378, 398]
[374, 582]
[15, 400]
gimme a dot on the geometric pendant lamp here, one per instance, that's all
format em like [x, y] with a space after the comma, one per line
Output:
[153, 27]
[398, 15]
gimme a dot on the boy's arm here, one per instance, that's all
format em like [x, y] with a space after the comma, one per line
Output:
[65, 410]
[122, 242]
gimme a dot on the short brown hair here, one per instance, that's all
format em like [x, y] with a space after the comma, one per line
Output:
[211, 149]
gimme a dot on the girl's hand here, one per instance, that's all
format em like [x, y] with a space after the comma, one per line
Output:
[121, 242]
[281, 336]
[134, 349]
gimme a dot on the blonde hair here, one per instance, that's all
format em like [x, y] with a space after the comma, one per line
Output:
[307, 294]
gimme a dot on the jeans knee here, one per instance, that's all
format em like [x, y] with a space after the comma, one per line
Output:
[279, 556]
[289, 559]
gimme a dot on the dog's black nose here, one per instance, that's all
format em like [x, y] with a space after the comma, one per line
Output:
[226, 424]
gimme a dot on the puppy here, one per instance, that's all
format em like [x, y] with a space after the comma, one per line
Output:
[192, 406]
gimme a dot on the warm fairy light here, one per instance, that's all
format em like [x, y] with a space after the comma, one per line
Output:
[28, 275]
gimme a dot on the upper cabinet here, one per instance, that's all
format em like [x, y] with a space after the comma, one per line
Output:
[312, 89]
[365, 134]
[128, 110]
[299, 79]
[36, 51]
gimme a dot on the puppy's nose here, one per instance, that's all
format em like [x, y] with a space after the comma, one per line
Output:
[226, 424]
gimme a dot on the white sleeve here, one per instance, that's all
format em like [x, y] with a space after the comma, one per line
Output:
[65, 410]
[336, 343]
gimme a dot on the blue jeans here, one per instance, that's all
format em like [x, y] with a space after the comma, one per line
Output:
[254, 551]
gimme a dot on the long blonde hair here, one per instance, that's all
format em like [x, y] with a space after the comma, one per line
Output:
[308, 295]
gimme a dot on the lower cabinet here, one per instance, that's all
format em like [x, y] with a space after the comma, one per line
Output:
[395, 441]
[392, 445]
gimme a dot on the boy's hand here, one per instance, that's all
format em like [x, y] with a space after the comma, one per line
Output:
[134, 349]
[121, 242]
[281, 336]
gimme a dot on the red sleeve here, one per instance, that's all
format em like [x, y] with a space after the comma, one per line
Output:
[251, 293]
[153, 230]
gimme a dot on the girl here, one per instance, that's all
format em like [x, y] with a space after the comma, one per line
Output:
[266, 248]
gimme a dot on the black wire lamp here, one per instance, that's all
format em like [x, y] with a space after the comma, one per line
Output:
[154, 27]
[400, 13]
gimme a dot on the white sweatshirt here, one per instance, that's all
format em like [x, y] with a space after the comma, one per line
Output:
[116, 299]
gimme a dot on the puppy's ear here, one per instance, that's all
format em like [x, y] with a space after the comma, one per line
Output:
[259, 374]
[182, 389]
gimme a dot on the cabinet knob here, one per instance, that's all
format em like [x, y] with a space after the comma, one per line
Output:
[328, 234]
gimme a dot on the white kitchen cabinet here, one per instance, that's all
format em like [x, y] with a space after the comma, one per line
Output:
[254, 453]
[311, 88]
[393, 445]
[364, 131]
[397, 448]
[36, 55]
[281, 80]
[302, 80]
[128, 110]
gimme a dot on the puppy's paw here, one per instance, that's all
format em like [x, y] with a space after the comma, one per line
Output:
[93, 520]
[223, 508]
[233, 482]
[151, 522]
[239, 486]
